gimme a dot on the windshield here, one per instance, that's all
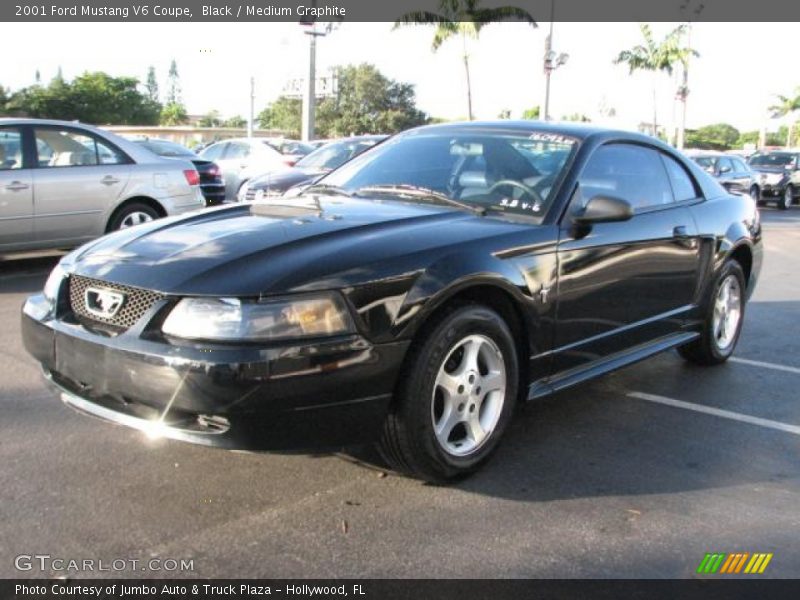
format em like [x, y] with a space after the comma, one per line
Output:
[772, 160]
[497, 171]
[335, 154]
[164, 148]
[706, 162]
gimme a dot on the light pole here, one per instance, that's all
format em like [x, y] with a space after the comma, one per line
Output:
[251, 120]
[309, 92]
[551, 61]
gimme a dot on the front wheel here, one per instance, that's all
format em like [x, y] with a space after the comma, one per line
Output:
[455, 398]
[786, 200]
[724, 314]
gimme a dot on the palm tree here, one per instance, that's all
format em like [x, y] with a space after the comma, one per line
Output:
[657, 57]
[787, 105]
[464, 18]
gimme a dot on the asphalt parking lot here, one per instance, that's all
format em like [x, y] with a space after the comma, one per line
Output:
[628, 476]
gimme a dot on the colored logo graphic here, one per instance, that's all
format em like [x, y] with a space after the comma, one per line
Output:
[735, 563]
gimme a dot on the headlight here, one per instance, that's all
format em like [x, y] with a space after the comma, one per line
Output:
[53, 283]
[231, 319]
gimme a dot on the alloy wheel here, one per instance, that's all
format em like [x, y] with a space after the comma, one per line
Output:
[727, 313]
[468, 395]
[135, 218]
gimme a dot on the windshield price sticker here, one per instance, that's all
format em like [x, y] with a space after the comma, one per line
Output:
[554, 138]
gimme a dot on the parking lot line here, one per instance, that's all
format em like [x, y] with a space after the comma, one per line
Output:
[766, 365]
[717, 412]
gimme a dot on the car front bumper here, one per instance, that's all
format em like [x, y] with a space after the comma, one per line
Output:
[279, 397]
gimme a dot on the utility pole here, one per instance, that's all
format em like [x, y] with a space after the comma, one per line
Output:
[310, 93]
[551, 62]
[251, 120]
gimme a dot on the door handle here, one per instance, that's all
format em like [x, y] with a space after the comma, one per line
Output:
[109, 180]
[16, 186]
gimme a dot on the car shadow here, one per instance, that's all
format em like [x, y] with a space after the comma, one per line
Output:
[594, 440]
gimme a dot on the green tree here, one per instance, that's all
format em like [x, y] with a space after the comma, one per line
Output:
[531, 114]
[173, 84]
[719, 136]
[236, 122]
[283, 114]
[91, 97]
[464, 19]
[786, 106]
[368, 102]
[151, 84]
[577, 117]
[173, 114]
[211, 119]
[657, 57]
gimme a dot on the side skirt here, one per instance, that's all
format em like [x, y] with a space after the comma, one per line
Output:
[633, 355]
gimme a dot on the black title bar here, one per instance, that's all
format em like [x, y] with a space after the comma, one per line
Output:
[390, 10]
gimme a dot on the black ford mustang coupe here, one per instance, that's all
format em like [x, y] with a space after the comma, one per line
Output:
[413, 296]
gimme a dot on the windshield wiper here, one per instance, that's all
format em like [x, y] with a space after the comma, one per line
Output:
[419, 192]
[325, 188]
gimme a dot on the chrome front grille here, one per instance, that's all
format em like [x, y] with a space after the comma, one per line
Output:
[135, 304]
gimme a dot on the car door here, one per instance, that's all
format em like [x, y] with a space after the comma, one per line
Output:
[623, 284]
[16, 191]
[78, 177]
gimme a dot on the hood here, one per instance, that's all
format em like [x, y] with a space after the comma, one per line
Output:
[247, 251]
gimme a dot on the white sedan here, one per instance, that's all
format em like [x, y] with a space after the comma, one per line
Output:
[241, 159]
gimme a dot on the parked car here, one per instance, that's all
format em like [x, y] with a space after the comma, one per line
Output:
[242, 159]
[311, 167]
[731, 171]
[778, 176]
[64, 183]
[291, 150]
[212, 185]
[414, 295]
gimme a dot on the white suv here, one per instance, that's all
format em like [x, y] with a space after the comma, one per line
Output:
[64, 183]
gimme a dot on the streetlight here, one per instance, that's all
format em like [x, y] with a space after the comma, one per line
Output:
[552, 61]
[309, 93]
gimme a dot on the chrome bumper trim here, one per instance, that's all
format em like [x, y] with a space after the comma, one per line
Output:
[152, 429]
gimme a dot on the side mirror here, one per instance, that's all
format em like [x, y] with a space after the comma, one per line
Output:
[604, 209]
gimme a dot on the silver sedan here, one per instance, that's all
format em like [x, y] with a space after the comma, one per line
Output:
[65, 183]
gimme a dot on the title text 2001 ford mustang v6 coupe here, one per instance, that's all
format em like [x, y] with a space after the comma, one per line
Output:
[413, 295]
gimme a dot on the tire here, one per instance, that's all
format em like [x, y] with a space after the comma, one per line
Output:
[442, 360]
[787, 198]
[132, 214]
[717, 343]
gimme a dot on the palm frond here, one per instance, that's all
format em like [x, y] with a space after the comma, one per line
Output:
[503, 13]
[420, 17]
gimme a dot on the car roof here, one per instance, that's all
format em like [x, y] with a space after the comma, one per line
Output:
[576, 130]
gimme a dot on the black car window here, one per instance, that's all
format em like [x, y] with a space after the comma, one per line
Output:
[724, 166]
[10, 149]
[627, 171]
[683, 186]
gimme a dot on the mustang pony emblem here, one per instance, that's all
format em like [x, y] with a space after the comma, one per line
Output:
[103, 303]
